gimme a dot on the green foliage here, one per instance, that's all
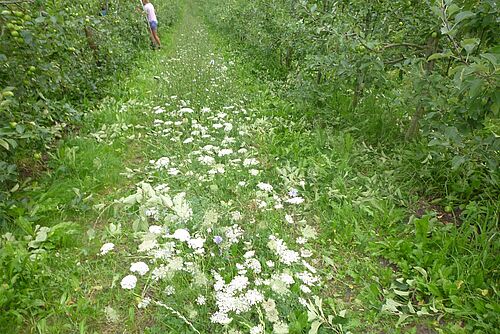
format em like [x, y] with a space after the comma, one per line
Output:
[56, 60]
[419, 82]
[425, 70]
[27, 261]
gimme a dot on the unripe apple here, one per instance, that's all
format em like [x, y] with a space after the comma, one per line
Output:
[14, 33]
[434, 34]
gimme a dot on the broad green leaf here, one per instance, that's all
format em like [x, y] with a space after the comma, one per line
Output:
[421, 271]
[11, 142]
[422, 312]
[315, 327]
[401, 293]
[328, 261]
[452, 9]
[132, 199]
[457, 161]
[470, 44]
[402, 319]
[421, 228]
[391, 306]
[475, 87]
[436, 56]
[410, 307]
[492, 58]
[14, 188]
[4, 144]
[463, 15]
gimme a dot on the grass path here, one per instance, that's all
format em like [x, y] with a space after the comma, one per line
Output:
[168, 171]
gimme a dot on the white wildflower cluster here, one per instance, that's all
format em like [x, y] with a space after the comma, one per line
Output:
[220, 262]
[250, 161]
[139, 267]
[265, 186]
[285, 255]
[161, 163]
[234, 233]
[144, 303]
[233, 297]
[107, 247]
[129, 282]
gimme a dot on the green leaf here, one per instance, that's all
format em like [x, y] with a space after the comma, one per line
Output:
[463, 15]
[391, 306]
[470, 44]
[439, 56]
[338, 320]
[457, 161]
[14, 188]
[491, 57]
[401, 293]
[11, 142]
[315, 327]
[475, 87]
[421, 271]
[4, 144]
[402, 319]
[328, 261]
[452, 9]
[421, 229]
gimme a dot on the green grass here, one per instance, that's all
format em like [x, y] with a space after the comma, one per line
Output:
[368, 249]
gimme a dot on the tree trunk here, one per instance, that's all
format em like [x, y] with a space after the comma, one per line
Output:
[432, 46]
[92, 45]
[358, 90]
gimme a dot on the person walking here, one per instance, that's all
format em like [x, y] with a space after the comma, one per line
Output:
[153, 22]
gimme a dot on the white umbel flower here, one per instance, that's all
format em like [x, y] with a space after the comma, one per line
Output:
[128, 282]
[295, 200]
[107, 247]
[139, 267]
[225, 151]
[201, 300]
[181, 235]
[257, 330]
[265, 186]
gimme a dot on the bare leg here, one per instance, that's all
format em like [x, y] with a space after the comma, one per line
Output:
[153, 41]
[156, 38]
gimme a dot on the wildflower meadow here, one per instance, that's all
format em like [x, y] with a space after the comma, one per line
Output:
[194, 192]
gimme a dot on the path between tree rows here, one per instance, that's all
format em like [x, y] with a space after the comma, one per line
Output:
[187, 226]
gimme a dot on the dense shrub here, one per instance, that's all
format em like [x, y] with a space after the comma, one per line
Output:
[56, 58]
[392, 71]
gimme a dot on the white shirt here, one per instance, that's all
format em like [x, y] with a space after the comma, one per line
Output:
[150, 10]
